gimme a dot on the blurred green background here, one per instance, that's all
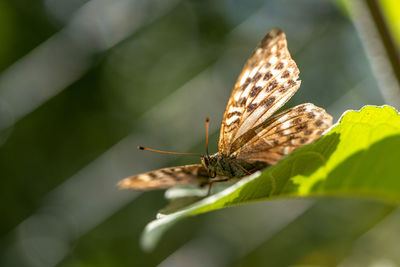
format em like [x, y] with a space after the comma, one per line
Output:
[83, 82]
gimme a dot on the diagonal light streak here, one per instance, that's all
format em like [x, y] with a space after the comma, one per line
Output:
[66, 56]
[91, 196]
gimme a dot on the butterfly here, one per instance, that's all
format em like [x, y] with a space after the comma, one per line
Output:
[250, 137]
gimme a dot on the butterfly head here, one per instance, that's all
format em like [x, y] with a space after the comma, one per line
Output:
[210, 164]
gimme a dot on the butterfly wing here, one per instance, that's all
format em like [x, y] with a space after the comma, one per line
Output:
[167, 177]
[267, 82]
[281, 134]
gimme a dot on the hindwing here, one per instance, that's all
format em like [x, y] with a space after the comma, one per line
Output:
[281, 134]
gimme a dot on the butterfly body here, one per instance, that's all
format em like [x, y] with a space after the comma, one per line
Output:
[229, 167]
[251, 136]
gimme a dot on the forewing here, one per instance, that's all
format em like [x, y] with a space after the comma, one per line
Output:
[267, 82]
[167, 177]
[281, 134]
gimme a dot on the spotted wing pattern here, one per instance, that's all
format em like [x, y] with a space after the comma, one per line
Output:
[267, 82]
[281, 134]
[167, 177]
[248, 132]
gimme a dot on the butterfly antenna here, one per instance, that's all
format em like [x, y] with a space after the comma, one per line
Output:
[207, 122]
[168, 152]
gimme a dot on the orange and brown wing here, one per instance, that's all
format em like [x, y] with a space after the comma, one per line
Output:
[267, 82]
[282, 133]
[167, 177]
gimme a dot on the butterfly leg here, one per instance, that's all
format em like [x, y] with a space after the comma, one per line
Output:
[213, 182]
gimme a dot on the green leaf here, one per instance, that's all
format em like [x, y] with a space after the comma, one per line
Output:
[359, 156]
